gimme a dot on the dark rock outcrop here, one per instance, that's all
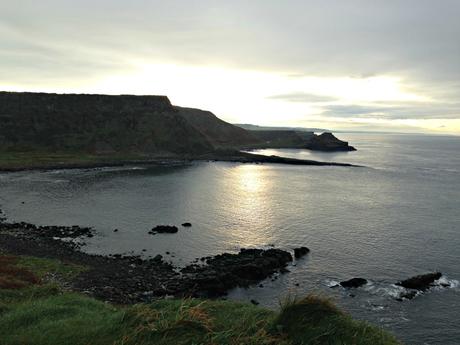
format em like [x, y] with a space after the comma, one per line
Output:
[328, 142]
[299, 139]
[186, 224]
[420, 282]
[301, 251]
[353, 283]
[408, 295]
[164, 229]
[226, 271]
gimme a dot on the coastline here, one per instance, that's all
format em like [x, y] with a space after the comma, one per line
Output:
[32, 161]
[131, 278]
[42, 274]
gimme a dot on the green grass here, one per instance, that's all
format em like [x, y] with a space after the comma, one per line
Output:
[316, 320]
[43, 159]
[42, 314]
[43, 267]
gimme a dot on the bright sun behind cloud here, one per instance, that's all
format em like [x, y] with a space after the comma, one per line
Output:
[245, 96]
[268, 98]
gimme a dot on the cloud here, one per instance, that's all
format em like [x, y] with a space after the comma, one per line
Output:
[395, 111]
[59, 43]
[303, 98]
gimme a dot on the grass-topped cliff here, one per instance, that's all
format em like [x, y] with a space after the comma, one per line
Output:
[102, 124]
[74, 130]
[37, 308]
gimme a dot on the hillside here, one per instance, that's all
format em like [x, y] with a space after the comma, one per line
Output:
[300, 140]
[96, 124]
[220, 133]
[42, 130]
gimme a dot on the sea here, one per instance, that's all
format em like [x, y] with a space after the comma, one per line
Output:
[394, 216]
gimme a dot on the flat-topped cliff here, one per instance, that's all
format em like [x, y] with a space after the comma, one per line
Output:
[109, 124]
[55, 130]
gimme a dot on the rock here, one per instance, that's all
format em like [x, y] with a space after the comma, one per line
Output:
[301, 251]
[328, 142]
[226, 271]
[253, 301]
[186, 224]
[115, 230]
[407, 295]
[420, 282]
[164, 229]
[158, 258]
[353, 283]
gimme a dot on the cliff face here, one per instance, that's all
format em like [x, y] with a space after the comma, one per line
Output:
[97, 124]
[301, 140]
[328, 142]
[220, 133]
[146, 125]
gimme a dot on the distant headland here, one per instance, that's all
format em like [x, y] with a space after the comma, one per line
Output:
[44, 130]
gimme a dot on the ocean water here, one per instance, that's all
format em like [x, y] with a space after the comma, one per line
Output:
[395, 217]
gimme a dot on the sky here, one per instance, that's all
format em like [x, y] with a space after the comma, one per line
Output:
[383, 65]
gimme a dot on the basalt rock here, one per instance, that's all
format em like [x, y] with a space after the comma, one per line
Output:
[50, 231]
[353, 283]
[164, 229]
[226, 271]
[299, 252]
[406, 295]
[420, 282]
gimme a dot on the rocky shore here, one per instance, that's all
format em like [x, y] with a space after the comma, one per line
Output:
[132, 279]
[103, 162]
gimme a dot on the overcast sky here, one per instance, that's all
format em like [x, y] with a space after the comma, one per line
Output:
[359, 64]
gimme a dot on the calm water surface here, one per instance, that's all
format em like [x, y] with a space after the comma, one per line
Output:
[396, 217]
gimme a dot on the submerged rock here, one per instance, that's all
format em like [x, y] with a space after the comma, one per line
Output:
[299, 252]
[164, 229]
[353, 283]
[420, 282]
[406, 295]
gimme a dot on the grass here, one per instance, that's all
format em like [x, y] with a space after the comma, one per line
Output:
[43, 159]
[42, 314]
[316, 320]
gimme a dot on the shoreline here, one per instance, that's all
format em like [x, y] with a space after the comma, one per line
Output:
[129, 279]
[232, 157]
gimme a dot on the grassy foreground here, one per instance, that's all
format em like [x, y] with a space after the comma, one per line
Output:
[35, 308]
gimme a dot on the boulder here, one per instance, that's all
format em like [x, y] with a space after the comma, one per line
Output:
[420, 282]
[301, 251]
[164, 229]
[406, 295]
[353, 283]
[187, 224]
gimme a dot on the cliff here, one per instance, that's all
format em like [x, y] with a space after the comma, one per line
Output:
[219, 133]
[125, 127]
[300, 139]
[96, 124]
